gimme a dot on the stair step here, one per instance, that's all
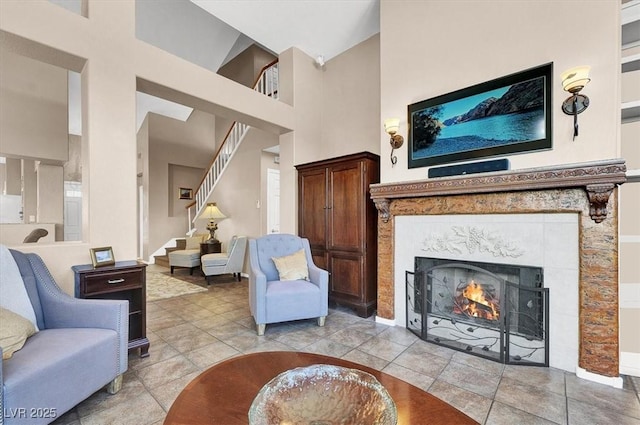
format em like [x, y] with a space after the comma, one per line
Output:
[161, 260]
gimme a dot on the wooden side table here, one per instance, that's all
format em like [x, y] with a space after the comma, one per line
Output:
[126, 280]
[210, 248]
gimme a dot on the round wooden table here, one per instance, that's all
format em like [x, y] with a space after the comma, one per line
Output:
[223, 393]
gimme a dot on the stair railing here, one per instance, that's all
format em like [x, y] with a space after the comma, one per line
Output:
[267, 84]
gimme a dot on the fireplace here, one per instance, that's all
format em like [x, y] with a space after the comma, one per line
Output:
[495, 311]
[588, 294]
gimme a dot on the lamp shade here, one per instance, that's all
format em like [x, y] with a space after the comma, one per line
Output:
[392, 125]
[575, 79]
[212, 212]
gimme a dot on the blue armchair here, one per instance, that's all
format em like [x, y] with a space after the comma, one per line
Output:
[273, 300]
[80, 347]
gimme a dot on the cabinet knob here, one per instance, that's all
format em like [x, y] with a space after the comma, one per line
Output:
[114, 281]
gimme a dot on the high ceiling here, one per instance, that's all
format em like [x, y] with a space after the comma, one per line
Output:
[317, 27]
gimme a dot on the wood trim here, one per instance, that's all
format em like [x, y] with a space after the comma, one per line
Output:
[598, 179]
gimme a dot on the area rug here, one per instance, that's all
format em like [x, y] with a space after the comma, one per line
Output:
[161, 286]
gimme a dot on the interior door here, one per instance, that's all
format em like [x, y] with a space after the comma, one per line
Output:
[72, 211]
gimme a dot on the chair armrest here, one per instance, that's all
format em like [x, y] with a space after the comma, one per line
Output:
[64, 311]
[319, 277]
[257, 293]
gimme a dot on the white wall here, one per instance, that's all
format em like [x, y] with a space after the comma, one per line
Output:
[435, 47]
[337, 110]
[240, 188]
[114, 64]
[174, 143]
[33, 108]
[351, 101]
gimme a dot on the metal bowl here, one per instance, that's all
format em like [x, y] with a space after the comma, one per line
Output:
[323, 395]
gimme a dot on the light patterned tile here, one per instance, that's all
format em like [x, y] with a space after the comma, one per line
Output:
[328, 348]
[469, 403]
[533, 400]
[411, 376]
[140, 410]
[422, 362]
[165, 371]
[501, 414]
[382, 348]
[167, 393]
[211, 354]
[398, 335]
[100, 400]
[604, 396]
[471, 378]
[585, 413]
[366, 359]
[546, 378]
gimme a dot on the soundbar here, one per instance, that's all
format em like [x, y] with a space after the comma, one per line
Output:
[470, 168]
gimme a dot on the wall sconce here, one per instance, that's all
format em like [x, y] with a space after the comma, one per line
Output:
[391, 126]
[574, 80]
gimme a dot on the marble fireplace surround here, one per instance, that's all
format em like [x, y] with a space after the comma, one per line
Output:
[588, 189]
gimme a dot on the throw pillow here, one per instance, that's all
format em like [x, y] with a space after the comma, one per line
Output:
[193, 242]
[292, 267]
[14, 331]
[13, 294]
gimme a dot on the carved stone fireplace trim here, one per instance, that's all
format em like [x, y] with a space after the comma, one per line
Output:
[588, 189]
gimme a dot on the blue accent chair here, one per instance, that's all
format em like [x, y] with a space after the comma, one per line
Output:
[81, 347]
[272, 300]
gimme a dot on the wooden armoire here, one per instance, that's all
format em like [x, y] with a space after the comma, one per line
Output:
[337, 215]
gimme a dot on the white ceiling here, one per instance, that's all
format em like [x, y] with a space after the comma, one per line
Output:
[317, 27]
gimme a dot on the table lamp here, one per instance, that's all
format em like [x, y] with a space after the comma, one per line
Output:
[212, 213]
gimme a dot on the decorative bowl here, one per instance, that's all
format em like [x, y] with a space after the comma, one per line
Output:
[323, 395]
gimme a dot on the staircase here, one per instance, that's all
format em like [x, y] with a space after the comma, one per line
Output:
[163, 260]
[267, 84]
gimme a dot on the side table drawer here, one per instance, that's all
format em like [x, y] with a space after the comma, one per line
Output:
[115, 281]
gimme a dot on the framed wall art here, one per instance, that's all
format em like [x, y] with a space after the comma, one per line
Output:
[185, 193]
[507, 115]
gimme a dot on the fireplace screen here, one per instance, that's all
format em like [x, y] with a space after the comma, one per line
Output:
[495, 311]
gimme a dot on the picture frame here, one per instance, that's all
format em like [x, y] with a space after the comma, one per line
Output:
[102, 256]
[185, 193]
[507, 115]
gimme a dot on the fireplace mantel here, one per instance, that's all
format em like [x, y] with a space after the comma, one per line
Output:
[587, 189]
[597, 178]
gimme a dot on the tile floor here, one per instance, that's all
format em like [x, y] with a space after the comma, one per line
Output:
[190, 333]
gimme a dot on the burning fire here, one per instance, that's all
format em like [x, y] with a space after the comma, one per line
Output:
[475, 301]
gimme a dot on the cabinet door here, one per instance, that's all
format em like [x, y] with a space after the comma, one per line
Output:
[346, 276]
[312, 210]
[346, 207]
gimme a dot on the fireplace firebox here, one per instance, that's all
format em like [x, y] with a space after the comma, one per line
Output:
[496, 311]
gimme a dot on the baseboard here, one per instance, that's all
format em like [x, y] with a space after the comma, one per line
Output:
[630, 363]
[612, 381]
[383, 321]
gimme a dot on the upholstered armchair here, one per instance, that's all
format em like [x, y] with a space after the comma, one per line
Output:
[283, 293]
[79, 345]
[231, 261]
